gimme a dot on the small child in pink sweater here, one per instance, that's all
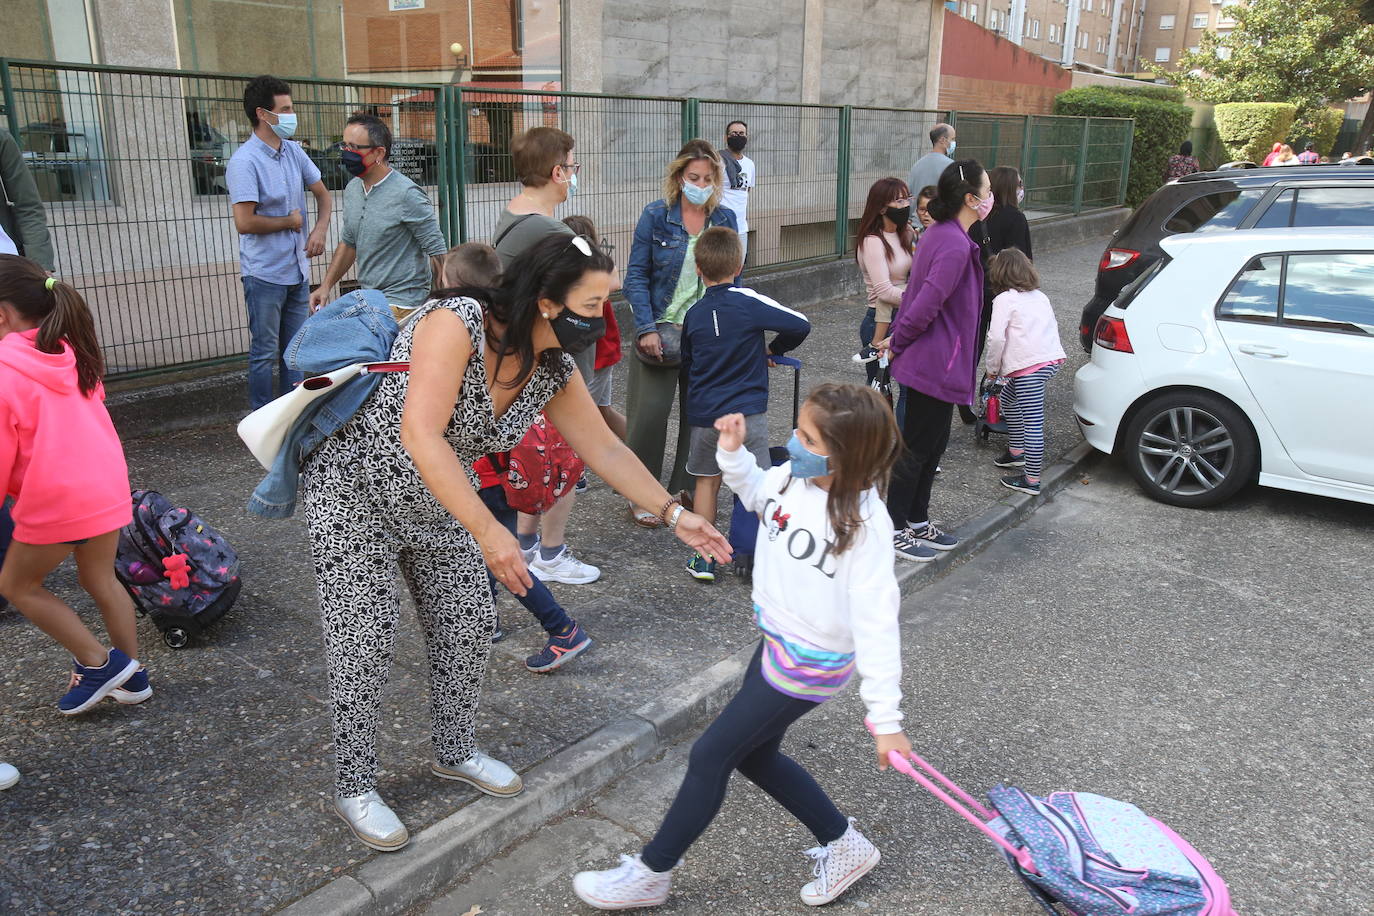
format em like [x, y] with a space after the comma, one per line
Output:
[62, 464]
[1023, 347]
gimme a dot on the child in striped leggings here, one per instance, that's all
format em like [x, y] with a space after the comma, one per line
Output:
[1023, 347]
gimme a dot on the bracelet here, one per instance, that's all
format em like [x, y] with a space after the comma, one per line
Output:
[677, 512]
[672, 501]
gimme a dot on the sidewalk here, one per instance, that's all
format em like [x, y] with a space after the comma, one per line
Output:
[214, 797]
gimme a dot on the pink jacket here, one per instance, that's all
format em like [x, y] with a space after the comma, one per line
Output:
[60, 457]
[1023, 332]
[884, 280]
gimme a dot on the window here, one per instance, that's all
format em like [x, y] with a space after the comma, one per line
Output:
[1035, 28]
[1280, 213]
[1214, 212]
[963, 8]
[1193, 49]
[1330, 292]
[1166, 22]
[1334, 207]
[993, 22]
[1099, 44]
[1161, 55]
[1223, 53]
[973, 12]
[1200, 20]
[1083, 39]
[1088, 5]
[1254, 295]
[1054, 34]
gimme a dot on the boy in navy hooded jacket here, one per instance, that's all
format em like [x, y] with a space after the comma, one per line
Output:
[725, 361]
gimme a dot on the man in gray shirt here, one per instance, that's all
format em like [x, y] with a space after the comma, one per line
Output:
[389, 227]
[931, 166]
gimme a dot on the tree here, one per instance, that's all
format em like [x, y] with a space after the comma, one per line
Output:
[1305, 52]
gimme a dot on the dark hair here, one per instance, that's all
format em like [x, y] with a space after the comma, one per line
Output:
[956, 181]
[1186, 148]
[583, 225]
[378, 134]
[883, 191]
[60, 313]
[733, 123]
[929, 192]
[861, 433]
[547, 270]
[1308, 145]
[473, 264]
[1011, 269]
[719, 255]
[261, 92]
[939, 132]
[536, 152]
[1005, 180]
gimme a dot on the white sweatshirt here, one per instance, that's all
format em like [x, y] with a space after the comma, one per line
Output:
[844, 603]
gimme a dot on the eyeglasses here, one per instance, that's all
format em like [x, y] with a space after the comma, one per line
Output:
[574, 167]
[353, 147]
[901, 202]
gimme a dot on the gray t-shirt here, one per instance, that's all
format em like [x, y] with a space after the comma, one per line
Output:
[395, 232]
[525, 231]
[926, 171]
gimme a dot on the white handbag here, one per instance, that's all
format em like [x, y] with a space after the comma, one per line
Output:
[265, 429]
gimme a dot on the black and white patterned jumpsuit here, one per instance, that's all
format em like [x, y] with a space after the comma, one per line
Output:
[368, 513]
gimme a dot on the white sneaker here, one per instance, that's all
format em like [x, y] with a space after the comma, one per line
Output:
[838, 865]
[532, 554]
[628, 886]
[8, 775]
[564, 568]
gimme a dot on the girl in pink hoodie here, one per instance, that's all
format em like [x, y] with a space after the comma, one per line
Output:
[62, 464]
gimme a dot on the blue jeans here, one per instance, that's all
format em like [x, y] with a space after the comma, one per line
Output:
[867, 326]
[539, 601]
[275, 314]
[746, 736]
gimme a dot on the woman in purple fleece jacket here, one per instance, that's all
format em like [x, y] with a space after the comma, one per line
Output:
[934, 346]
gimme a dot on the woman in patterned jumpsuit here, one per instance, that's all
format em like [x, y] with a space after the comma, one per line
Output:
[392, 488]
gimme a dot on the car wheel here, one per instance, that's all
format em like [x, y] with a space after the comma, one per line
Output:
[1190, 448]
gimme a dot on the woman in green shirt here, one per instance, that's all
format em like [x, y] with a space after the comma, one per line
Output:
[661, 284]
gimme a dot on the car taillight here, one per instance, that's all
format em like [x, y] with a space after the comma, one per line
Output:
[1111, 335]
[1117, 258]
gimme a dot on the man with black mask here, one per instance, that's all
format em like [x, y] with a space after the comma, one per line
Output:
[740, 177]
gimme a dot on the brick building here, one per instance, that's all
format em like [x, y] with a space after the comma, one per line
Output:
[1174, 26]
[1100, 35]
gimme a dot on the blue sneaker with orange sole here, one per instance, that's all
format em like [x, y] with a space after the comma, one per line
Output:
[91, 685]
[559, 650]
[133, 691]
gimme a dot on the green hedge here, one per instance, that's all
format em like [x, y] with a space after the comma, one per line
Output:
[1151, 91]
[1249, 130]
[1160, 126]
[1323, 129]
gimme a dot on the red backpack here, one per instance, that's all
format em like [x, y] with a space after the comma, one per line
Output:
[540, 470]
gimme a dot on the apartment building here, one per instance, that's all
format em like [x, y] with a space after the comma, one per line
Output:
[1175, 26]
[1101, 35]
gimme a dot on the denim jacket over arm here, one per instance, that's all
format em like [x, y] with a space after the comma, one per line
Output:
[357, 328]
[656, 256]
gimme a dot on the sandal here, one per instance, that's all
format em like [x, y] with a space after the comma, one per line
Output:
[644, 518]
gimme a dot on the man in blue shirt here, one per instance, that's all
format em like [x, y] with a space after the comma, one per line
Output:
[267, 178]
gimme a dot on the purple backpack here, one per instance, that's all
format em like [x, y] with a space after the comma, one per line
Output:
[180, 572]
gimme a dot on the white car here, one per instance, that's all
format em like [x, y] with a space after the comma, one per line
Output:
[1240, 356]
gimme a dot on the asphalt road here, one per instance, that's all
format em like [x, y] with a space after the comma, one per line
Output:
[1212, 667]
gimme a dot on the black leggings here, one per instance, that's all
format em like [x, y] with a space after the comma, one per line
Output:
[746, 736]
[925, 429]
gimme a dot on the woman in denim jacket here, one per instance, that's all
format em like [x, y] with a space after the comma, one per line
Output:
[661, 284]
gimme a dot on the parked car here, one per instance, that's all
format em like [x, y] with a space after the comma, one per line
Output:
[1238, 198]
[1240, 356]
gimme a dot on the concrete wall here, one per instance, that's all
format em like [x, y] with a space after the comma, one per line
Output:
[982, 72]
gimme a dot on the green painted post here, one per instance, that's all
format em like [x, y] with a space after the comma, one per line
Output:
[996, 143]
[690, 119]
[1024, 162]
[842, 166]
[1081, 173]
[1033, 161]
[441, 150]
[11, 113]
[459, 127]
[1126, 162]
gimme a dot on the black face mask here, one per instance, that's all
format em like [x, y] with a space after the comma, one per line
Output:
[736, 144]
[899, 215]
[576, 333]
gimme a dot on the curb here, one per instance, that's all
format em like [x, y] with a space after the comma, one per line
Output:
[443, 852]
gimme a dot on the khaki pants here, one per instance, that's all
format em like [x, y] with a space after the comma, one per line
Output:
[648, 407]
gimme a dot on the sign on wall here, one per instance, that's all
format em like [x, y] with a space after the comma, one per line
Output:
[397, 5]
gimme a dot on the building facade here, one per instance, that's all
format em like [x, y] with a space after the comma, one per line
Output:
[1175, 26]
[1100, 35]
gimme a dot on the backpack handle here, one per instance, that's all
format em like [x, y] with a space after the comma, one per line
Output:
[904, 765]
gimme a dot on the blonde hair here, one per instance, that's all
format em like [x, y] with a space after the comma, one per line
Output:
[690, 152]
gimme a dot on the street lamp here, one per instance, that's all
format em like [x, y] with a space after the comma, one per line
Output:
[462, 73]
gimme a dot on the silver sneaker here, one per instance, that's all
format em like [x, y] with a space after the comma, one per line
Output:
[8, 776]
[486, 774]
[372, 822]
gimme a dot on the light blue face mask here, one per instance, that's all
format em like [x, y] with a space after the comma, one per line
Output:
[285, 126]
[806, 463]
[696, 194]
[572, 185]
[952, 145]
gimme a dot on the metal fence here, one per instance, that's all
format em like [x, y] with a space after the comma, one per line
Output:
[131, 166]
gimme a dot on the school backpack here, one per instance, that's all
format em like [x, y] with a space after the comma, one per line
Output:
[540, 470]
[181, 573]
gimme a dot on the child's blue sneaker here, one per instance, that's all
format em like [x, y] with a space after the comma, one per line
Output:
[701, 569]
[135, 690]
[559, 650]
[91, 685]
